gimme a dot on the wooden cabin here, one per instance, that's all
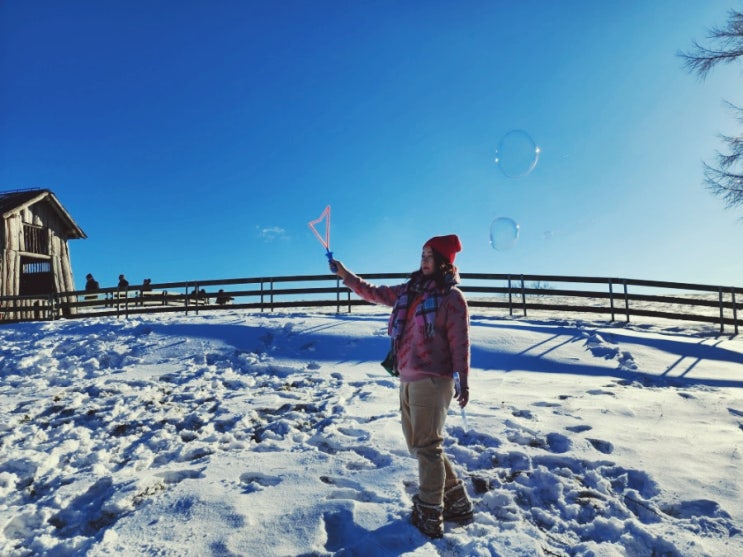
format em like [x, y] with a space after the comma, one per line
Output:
[35, 257]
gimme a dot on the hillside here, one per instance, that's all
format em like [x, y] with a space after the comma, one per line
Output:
[234, 433]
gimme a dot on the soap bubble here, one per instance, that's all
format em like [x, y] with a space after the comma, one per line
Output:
[504, 232]
[517, 154]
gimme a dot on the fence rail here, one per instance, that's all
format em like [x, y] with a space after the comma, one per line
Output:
[517, 294]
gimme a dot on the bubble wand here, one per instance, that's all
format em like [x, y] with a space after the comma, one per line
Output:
[324, 241]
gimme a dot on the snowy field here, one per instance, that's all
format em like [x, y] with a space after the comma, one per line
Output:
[235, 433]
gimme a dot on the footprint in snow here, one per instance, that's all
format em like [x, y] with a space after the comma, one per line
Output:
[737, 414]
[627, 362]
[349, 489]
[694, 509]
[600, 392]
[177, 476]
[552, 442]
[579, 428]
[358, 434]
[601, 446]
[473, 439]
[544, 404]
[256, 481]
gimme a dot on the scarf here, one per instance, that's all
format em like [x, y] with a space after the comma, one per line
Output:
[425, 311]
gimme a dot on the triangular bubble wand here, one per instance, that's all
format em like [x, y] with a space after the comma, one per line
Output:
[324, 241]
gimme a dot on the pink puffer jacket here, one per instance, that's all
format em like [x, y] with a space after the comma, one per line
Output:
[418, 356]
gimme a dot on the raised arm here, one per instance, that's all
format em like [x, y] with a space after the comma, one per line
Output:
[382, 295]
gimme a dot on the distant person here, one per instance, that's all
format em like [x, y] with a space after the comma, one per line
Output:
[123, 283]
[223, 298]
[198, 294]
[147, 285]
[91, 285]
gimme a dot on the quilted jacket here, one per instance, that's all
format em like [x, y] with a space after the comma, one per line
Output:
[418, 356]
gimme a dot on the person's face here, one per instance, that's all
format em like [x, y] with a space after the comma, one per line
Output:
[427, 261]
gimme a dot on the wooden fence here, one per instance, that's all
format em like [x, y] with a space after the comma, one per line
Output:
[519, 295]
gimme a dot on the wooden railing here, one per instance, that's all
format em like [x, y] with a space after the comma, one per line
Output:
[519, 295]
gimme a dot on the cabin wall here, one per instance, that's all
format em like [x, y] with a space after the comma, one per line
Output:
[12, 234]
[39, 214]
[63, 278]
[3, 264]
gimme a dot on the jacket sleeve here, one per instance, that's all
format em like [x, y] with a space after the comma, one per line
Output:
[458, 332]
[382, 295]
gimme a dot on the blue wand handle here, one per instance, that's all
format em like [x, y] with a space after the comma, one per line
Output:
[329, 255]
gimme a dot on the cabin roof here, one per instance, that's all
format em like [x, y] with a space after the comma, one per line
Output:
[12, 201]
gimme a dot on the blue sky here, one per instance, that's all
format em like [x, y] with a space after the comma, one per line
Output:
[196, 140]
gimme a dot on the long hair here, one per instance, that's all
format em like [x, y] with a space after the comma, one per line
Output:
[442, 269]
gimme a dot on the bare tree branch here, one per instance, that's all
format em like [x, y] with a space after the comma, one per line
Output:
[703, 60]
[728, 186]
[726, 179]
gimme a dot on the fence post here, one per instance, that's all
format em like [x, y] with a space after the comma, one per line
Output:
[523, 295]
[349, 301]
[126, 302]
[196, 298]
[337, 294]
[186, 299]
[626, 300]
[735, 311]
[261, 295]
[510, 299]
[271, 294]
[722, 312]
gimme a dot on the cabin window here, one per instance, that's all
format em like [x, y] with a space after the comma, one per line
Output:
[36, 267]
[36, 239]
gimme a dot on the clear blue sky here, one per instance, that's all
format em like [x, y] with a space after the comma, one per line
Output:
[196, 139]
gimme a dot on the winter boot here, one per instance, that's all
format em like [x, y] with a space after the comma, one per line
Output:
[428, 518]
[457, 506]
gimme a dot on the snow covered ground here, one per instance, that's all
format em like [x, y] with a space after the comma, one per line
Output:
[235, 433]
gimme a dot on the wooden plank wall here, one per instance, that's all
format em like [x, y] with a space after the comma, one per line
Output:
[38, 214]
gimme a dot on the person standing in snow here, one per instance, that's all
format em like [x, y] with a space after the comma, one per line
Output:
[123, 283]
[429, 327]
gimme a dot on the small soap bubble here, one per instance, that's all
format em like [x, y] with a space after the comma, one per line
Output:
[504, 232]
[517, 154]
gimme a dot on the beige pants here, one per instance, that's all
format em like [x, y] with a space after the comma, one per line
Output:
[423, 406]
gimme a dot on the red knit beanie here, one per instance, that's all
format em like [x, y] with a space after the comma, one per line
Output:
[446, 246]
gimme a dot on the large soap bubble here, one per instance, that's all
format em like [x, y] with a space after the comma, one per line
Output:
[504, 232]
[517, 154]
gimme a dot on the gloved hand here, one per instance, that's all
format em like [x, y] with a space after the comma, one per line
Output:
[461, 389]
[340, 270]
